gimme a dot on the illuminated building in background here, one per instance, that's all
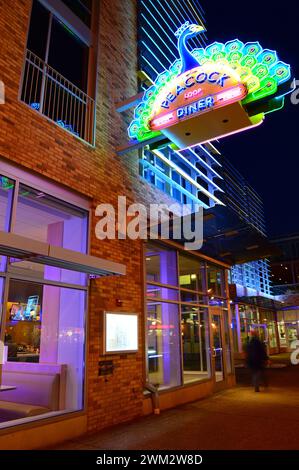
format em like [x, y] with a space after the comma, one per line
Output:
[198, 174]
[240, 196]
[285, 268]
[285, 280]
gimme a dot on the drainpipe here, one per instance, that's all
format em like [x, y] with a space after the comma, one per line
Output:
[154, 396]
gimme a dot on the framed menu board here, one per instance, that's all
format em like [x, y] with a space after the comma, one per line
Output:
[120, 333]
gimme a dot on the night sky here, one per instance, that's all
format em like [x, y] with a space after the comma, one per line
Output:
[267, 155]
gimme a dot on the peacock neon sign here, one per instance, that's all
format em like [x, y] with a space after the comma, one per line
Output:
[224, 88]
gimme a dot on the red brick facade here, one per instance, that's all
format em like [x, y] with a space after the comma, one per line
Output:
[31, 141]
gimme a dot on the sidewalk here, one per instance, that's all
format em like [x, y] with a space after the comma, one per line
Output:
[234, 419]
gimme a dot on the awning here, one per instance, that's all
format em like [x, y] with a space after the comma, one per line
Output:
[23, 248]
[229, 238]
[259, 301]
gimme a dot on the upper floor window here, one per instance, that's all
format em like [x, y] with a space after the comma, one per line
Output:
[81, 8]
[56, 80]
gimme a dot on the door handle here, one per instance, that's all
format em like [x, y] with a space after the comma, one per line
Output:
[215, 351]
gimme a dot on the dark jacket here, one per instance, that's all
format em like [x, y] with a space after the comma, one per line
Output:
[256, 355]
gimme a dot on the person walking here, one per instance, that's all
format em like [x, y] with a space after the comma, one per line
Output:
[257, 358]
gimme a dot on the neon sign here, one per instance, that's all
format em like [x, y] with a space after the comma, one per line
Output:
[204, 80]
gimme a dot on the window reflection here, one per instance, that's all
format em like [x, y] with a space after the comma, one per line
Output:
[45, 326]
[163, 344]
[159, 292]
[161, 265]
[195, 336]
[215, 279]
[44, 218]
[227, 328]
[190, 273]
[178, 326]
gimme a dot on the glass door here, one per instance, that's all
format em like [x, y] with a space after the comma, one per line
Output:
[217, 347]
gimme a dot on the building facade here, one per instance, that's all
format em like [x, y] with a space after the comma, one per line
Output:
[253, 307]
[285, 278]
[65, 293]
[202, 175]
[239, 195]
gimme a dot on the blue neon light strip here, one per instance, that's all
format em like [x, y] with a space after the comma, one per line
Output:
[167, 16]
[159, 20]
[172, 183]
[153, 54]
[160, 37]
[208, 153]
[203, 162]
[183, 19]
[160, 26]
[158, 47]
[144, 58]
[197, 170]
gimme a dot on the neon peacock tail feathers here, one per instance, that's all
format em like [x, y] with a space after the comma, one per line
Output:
[264, 75]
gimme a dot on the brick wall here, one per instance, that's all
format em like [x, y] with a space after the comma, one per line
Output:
[38, 145]
[30, 140]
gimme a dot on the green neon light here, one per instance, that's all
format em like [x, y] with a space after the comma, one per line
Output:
[276, 104]
[259, 69]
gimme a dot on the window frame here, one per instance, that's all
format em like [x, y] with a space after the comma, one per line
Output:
[87, 36]
[64, 14]
[20, 176]
[51, 415]
[206, 263]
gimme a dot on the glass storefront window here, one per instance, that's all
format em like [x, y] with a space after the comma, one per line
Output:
[235, 329]
[42, 314]
[44, 218]
[44, 325]
[268, 319]
[215, 281]
[249, 321]
[161, 265]
[163, 338]
[195, 337]
[190, 273]
[272, 335]
[6, 199]
[178, 325]
[159, 292]
[23, 321]
[228, 352]
[282, 334]
[1, 298]
[288, 327]
[259, 320]
[292, 331]
[216, 302]
[217, 347]
[7, 187]
[192, 298]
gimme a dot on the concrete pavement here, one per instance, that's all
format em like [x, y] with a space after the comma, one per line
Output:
[234, 419]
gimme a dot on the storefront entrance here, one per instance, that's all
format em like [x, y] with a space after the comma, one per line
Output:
[217, 347]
